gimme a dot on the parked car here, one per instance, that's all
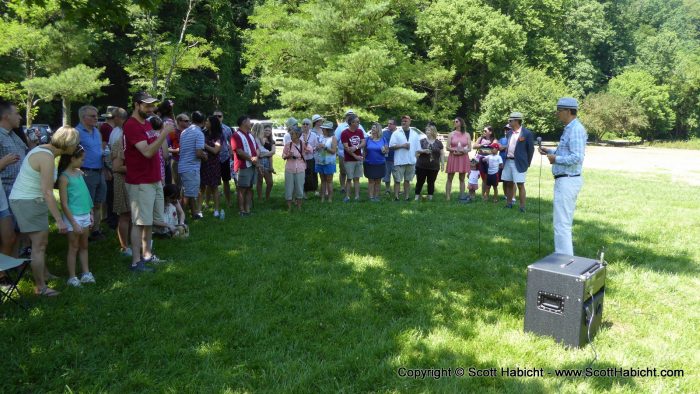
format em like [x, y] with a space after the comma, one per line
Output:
[38, 133]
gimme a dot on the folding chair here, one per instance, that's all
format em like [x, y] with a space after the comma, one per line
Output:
[9, 264]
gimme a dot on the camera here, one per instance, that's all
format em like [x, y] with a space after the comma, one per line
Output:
[156, 122]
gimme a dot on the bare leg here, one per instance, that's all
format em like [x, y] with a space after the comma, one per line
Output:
[227, 193]
[123, 229]
[461, 184]
[356, 185]
[268, 185]
[521, 192]
[73, 247]
[448, 186]
[136, 235]
[39, 240]
[83, 252]
[8, 236]
[146, 237]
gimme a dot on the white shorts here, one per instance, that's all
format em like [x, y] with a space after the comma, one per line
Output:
[82, 220]
[511, 174]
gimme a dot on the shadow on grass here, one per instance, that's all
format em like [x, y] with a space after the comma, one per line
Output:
[334, 298]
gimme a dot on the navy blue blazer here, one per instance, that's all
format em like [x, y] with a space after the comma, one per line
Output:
[524, 148]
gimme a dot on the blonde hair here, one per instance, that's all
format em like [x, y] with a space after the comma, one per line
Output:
[258, 130]
[432, 130]
[65, 137]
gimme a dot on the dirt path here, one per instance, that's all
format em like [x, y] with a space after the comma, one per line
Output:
[681, 165]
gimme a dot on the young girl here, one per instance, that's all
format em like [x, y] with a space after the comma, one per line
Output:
[77, 213]
[473, 180]
[173, 215]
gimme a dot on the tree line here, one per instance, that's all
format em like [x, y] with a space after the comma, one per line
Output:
[634, 64]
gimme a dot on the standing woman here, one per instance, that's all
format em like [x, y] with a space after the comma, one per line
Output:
[211, 168]
[294, 169]
[459, 143]
[121, 206]
[310, 142]
[325, 160]
[32, 198]
[375, 162]
[430, 161]
[266, 142]
[484, 141]
[165, 111]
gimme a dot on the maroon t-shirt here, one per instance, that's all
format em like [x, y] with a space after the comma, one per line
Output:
[105, 130]
[352, 138]
[139, 168]
[237, 143]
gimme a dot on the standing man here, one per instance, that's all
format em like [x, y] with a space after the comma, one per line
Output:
[389, 162]
[93, 164]
[353, 141]
[341, 152]
[225, 156]
[567, 167]
[404, 143]
[192, 155]
[521, 148]
[12, 152]
[144, 183]
[245, 163]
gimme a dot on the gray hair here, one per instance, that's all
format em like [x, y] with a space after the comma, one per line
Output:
[84, 109]
[120, 113]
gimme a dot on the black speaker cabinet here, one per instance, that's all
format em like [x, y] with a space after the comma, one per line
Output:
[562, 293]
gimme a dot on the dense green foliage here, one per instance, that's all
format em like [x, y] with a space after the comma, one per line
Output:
[432, 59]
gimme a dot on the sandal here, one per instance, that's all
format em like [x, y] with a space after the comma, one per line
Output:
[47, 292]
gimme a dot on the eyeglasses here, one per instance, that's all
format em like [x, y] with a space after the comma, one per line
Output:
[91, 116]
[306, 124]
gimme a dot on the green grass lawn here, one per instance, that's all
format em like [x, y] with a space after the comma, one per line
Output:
[338, 297]
[693, 143]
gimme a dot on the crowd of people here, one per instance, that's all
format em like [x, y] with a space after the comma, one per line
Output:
[146, 171]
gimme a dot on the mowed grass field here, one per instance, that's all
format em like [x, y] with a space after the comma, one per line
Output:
[337, 298]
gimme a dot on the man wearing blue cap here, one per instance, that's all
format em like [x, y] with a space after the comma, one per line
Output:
[567, 166]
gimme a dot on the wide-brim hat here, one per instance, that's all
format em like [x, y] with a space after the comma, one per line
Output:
[327, 125]
[349, 112]
[316, 118]
[291, 122]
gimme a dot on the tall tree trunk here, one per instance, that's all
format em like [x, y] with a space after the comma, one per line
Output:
[178, 46]
[66, 111]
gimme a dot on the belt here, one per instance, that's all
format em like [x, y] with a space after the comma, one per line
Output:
[566, 175]
[510, 158]
[90, 169]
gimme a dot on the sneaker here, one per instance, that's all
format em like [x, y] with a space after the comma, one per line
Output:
[126, 252]
[74, 282]
[198, 216]
[346, 199]
[96, 235]
[154, 260]
[522, 209]
[26, 252]
[141, 267]
[87, 278]
[216, 214]
[509, 205]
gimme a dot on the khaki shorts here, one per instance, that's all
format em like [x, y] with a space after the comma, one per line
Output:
[31, 215]
[147, 203]
[353, 169]
[404, 172]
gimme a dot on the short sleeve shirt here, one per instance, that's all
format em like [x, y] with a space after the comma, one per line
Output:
[139, 168]
[352, 138]
[11, 143]
[237, 143]
[191, 140]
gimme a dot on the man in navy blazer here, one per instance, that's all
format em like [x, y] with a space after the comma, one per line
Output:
[519, 152]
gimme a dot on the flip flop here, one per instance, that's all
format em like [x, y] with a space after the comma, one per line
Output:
[47, 292]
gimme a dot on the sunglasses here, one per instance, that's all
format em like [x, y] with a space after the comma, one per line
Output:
[78, 150]
[219, 116]
[306, 124]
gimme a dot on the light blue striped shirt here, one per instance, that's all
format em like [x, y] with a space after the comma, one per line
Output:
[571, 150]
[191, 139]
[225, 152]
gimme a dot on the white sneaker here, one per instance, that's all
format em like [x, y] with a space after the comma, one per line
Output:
[87, 278]
[216, 214]
[126, 252]
[75, 282]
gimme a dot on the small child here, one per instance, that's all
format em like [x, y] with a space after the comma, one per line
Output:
[494, 164]
[173, 215]
[77, 213]
[473, 179]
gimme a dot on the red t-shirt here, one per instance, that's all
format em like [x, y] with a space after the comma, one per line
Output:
[105, 131]
[237, 143]
[174, 143]
[139, 168]
[352, 139]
